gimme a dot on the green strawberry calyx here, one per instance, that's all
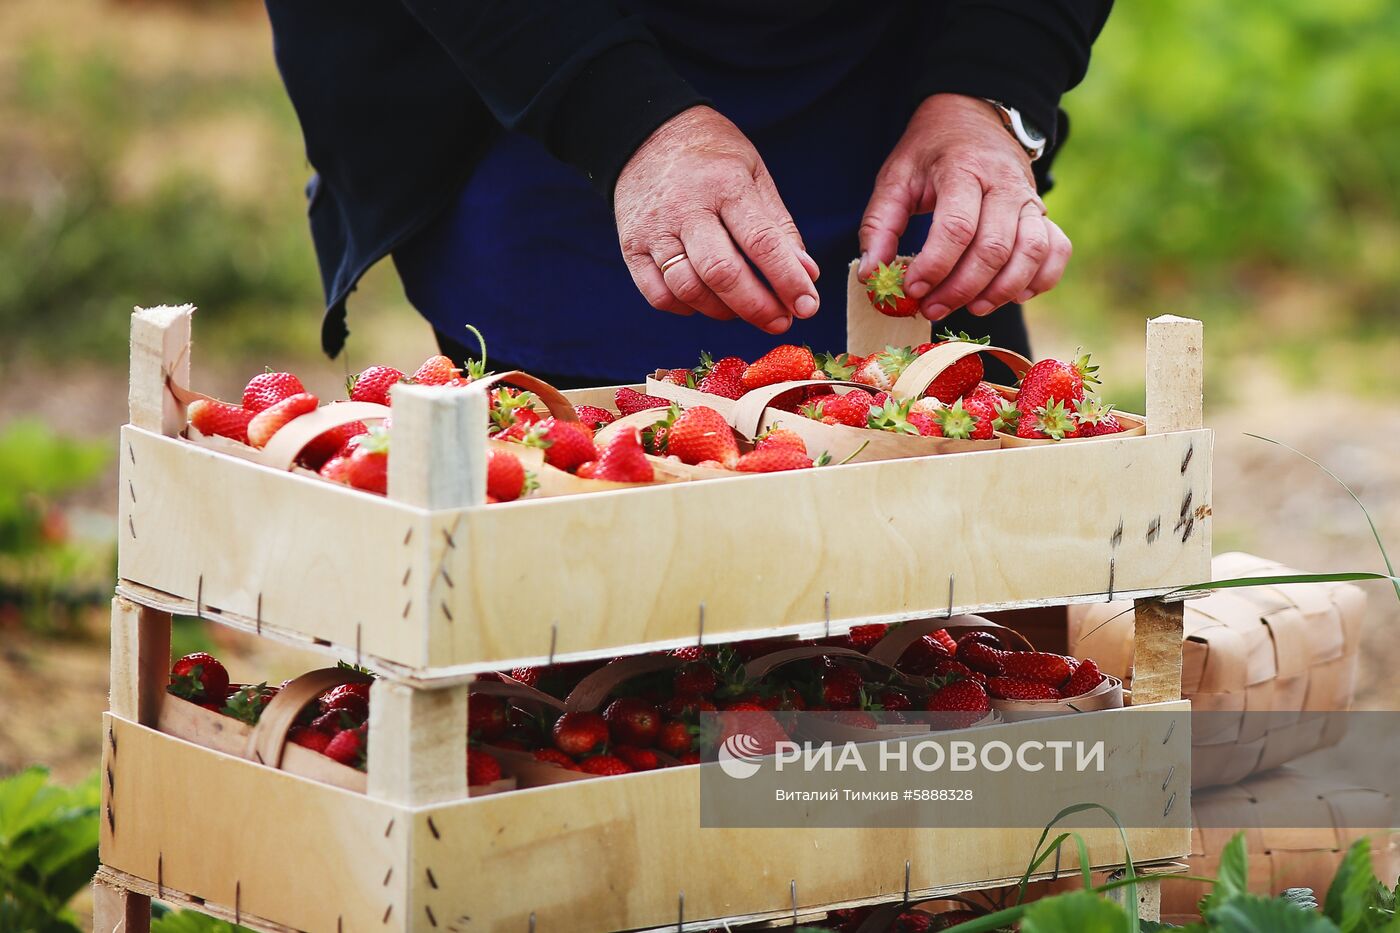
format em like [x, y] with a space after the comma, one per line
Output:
[886, 284]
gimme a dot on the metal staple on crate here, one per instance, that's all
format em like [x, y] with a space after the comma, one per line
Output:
[553, 639]
[826, 611]
[792, 887]
[680, 912]
[700, 633]
[950, 595]
[532, 922]
[906, 880]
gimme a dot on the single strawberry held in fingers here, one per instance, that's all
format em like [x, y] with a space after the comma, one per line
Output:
[273, 419]
[214, 418]
[786, 363]
[885, 287]
[267, 389]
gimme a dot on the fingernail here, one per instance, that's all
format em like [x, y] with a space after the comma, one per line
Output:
[918, 290]
[780, 326]
[810, 264]
[937, 312]
[805, 306]
[981, 307]
[1025, 296]
[863, 270]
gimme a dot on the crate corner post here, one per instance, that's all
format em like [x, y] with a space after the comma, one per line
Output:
[116, 909]
[439, 447]
[140, 662]
[160, 351]
[417, 743]
[1175, 374]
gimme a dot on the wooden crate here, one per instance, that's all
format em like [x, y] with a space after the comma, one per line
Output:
[587, 857]
[429, 586]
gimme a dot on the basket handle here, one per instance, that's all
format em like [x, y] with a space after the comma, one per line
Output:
[513, 689]
[269, 736]
[287, 444]
[555, 401]
[891, 648]
[590, 692]
[774, 660]
[915, 380]
[640, 420]
[747, 414]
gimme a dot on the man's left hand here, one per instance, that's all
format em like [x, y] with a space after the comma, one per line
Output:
[990, 242]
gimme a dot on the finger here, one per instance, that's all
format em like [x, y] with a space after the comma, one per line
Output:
[769, 192]
[1050, 272]
[886, 216]
[771, 242]
[713, 255]
[685, 283]
[957, 212]
[646, 275]
[991, 249]
[1031, 250]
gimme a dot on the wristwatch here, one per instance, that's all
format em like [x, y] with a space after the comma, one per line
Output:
[1031, 139]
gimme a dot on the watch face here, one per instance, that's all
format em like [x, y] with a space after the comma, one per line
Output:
[1028, 129]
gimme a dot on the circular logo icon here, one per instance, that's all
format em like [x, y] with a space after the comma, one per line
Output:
[738, 755]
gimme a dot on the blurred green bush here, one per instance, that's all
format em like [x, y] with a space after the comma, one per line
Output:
[48, 850]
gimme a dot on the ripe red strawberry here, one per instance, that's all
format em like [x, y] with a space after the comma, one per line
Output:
[1015, 688]
[632, 721]
[677, 377]
[1043, 666]
[555, 757]
[214, 418]
[566, 443]
[785, 363]
[926, 425]
[841, 688]
[913, 921]
[368, 466]
[334, 722]
[753, 720]
[329, 443]
[482, 768]
[701, 434]
[373, 384]
[699, 679]
[729, 366]
[267, 389]
[604, 765]
[1086, 677]
[579, 733]
[773, 460]
[629, 401]
[886, 290]
[505, 476]
[689, 758]
[486, 717]
[1055, 381]
[947, 641]
[963, 702]
[979, 656]
[892, 700]
[724, 378]
[1095, 417]
[349, 698]
[1051, 421]
[864, 637]
[336, 469]
[962, 376]
[963, 423]
[435, 371]
[271, 420]
[780, 438]
[594, 416]
[529, 676]
[638, 759]
[945, 667]
[309, 738]
[623, 461]
[986, 392]
[674, 738]
[199, 676]
[851, 409]
[690, 653]
[884, 367]
[919, 658]
[346, 747]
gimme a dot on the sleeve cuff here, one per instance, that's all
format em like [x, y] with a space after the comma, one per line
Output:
[612, 105]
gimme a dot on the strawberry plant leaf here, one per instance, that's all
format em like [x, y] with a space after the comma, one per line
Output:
[1351, 894]
[1233, 877]
[1080, 911]
[1250, 913]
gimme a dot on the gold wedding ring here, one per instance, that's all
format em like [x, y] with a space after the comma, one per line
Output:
[672, 261]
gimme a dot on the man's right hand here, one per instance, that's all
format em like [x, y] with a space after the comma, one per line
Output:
[697, 189]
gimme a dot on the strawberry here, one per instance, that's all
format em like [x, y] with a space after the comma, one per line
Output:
[964, 702]
[351, 698]
[373, 384]
[368, 465]
[700, 434]
[1054, 380]
[730, 367]
[271, 420]
[638, 759]
[926, 426]
[246, 704]
[199, 676]
[893, 700]
[1015, 688]
[838, 365]
[1050, 421]
[677, 377]
[579, 733]
[632, 721]
[1042, 666]
[980, 656]
[506, 479]
[883, 368]
[435, 371]
[346, 747]
[336, 469]
[329, 443]
[985, 391]
[689, 758]
[781, 438]
[913, 921]
[594, 416]
[555, 757]
[919, 658]
[530, 676]
[894, 416]
[723, 378]
[1086, 677]
[689, 653]
[974, 423]
[699, 679]
[623, 461]
[486, 717]
[921, 406]
[723, 386]
[773, 460]
[841, 687]
[309, 738]
[948, 667]
[947, 641]
[566, 443]
[334, 722]
[1095, 417]
[604, 765]
[214, 418]
[886, 290]
[753, 720]
[267, 389]
[512, 414]
[629, 401]
[482, 768]
[674, 738]
[864, 637]
[786, 363]
[852, 409]
[962, 376]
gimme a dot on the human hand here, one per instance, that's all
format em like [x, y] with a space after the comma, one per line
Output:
[697, 189]
[990, 242]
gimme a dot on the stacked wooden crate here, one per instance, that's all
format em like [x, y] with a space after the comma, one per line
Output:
[428, 587]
